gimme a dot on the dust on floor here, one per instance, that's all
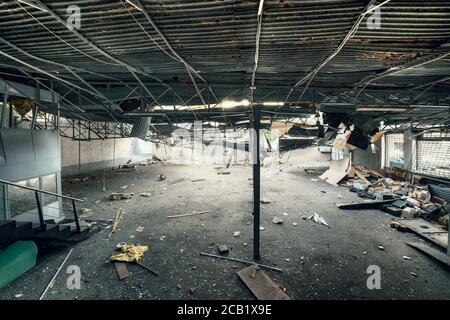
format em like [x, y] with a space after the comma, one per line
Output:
[318, 262]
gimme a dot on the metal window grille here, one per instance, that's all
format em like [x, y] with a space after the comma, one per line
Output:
[394, 150]
[431, 156]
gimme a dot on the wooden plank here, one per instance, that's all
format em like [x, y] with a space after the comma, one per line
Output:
[432, 252]
[428, 231]
[361, 176]
[116, 222]
[421, 226]
[261, 285]
[122, 270]
[187, 214]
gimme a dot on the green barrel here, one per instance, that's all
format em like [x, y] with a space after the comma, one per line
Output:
[15, 260]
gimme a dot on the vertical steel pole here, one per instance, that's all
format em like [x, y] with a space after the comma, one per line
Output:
[256, 184]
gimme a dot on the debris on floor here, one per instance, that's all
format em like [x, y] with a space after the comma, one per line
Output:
[162, 177]
[122, 270]
[176, 181]
[260, 284]
[397, 225]
[277, 220]
[146, 194]
[236, 234]
[120, 196]
[130, 253]
[116, 222]
[195, 213]
[223, 249]
[85, 210]
[52, 281]
[411, 200]
[319, 219]
[434, 233]
[338, 170]
[240, 260]
[431, 252]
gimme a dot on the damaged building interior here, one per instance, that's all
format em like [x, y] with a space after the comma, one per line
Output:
[224, 150]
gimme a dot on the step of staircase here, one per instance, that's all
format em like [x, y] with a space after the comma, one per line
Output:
[12, 231]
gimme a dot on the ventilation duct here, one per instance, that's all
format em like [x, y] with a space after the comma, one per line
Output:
[140, 127]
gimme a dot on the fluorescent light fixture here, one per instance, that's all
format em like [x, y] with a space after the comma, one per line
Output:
[381, 109]
[273, 104]
[143, 114]
[134, 5]
[32, 4]
[227, 104]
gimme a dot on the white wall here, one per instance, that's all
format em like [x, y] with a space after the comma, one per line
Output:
[79, 157]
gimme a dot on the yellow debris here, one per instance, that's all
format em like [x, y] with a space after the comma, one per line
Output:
[130, 253]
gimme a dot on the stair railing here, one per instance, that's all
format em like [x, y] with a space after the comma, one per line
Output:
[42, 223]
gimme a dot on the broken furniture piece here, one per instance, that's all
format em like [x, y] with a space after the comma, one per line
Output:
[261, 285]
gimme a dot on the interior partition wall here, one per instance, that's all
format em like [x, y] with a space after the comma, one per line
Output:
[29, 158]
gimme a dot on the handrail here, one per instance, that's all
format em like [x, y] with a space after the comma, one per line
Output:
[40, 191]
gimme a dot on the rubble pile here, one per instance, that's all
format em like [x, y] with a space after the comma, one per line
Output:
[407, 200]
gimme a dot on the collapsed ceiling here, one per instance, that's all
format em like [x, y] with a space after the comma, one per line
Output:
[302, 55]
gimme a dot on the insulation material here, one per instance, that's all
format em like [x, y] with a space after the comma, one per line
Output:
[377, 136]
[281, 128]
[23, 106]
[130, 253]
[338, 170]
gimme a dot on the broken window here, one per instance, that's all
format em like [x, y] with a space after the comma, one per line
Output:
[394, 150]
[22, 200]
[48, 183]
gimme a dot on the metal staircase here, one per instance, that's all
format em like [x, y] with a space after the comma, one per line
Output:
[12, 230]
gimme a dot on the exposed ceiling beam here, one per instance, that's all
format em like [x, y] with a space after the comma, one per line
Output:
[37, 69]
[98, 49]
[310, 75]
[421, 61]
[62, 65]
[138, 5]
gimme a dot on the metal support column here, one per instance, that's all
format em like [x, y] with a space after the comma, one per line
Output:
[34, 118]
[256, 183]
[4, 110]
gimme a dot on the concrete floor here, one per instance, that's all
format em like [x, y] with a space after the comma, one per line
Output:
[317, 262]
